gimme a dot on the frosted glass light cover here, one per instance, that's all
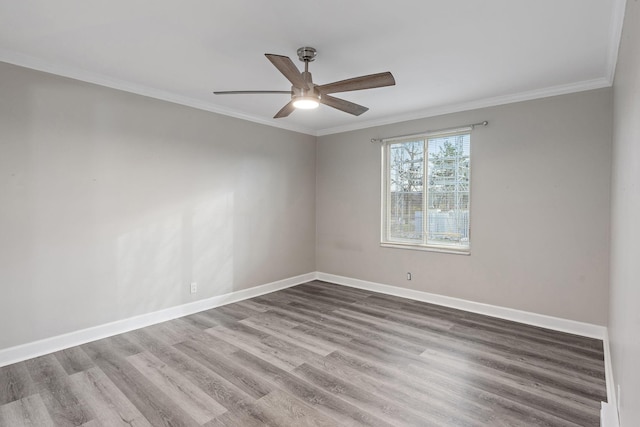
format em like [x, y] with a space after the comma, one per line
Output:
[306, 103]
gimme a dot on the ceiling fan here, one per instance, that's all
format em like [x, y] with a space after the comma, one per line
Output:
[306, 95]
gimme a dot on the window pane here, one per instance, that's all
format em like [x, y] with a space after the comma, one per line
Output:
[448, 179]
[406, 176]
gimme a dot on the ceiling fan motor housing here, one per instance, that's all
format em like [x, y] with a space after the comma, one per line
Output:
[307, 54]
[299, 92]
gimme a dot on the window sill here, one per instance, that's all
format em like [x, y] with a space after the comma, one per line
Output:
[440, 249]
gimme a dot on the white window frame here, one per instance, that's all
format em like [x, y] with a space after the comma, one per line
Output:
[386, 195]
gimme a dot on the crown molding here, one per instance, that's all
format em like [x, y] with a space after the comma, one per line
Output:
[37, 64]
[615, 36]
[473, 105]
[31, 62]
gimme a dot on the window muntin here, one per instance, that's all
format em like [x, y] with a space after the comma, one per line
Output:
[426, 198]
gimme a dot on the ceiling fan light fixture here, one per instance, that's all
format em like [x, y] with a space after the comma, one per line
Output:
[306, 103]
[306, 95]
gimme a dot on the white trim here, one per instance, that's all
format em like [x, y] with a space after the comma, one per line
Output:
[34, 63]
[615, 36]
[609, 412]
[473, 105]
[30, 350]
[534, 319]
[27, 61]
[426, 248]
[385, 200]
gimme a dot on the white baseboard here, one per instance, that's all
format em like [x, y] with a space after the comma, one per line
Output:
[60, 342]
[49, 345]
[541, 320]
[609, 412]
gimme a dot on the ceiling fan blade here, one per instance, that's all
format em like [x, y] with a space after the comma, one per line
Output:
[249, 92]
[342, 105]
[286, 66]
[358, 83]
[285, 111]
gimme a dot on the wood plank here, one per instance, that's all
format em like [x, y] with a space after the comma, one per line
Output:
[228, 368]
[219, 318]
[216, 386]
[63, 405]
[449, 387]
[27, 412]
[253, 305]
[120, 345]
[169, 333]
[150, 339]
[200, 406]
[237, 311]
[334, 289]
[332, 300]
[367, 401]
[183, 327]
[254, 345]
[343, 412]
[272, 321]
[15, 383]
[200, 321]
[320, 304]
[340, 325]
[74, 360]
[286, 410]
[155, 405]
[400, 389]
[251, 417]
[219, 345]
[315, 345]
[111, 406]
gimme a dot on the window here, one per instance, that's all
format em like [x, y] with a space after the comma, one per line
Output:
[425, 197]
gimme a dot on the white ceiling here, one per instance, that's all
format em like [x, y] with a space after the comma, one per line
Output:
[445, 55]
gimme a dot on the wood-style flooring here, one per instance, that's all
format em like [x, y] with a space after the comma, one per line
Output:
[317, 354]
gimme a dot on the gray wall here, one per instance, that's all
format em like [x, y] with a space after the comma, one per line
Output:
[624, 318]
[112, 203]
[539, 209]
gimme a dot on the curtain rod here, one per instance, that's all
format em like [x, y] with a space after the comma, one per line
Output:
[473, 125]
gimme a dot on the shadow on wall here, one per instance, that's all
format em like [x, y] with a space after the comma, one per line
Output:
[156, 262]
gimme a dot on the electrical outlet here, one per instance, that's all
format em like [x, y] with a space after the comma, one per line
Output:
[194, 287]
[408, 276]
